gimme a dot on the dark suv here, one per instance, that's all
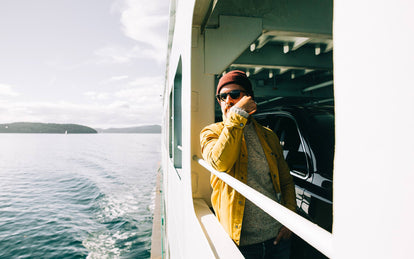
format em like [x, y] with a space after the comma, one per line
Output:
[307, 137]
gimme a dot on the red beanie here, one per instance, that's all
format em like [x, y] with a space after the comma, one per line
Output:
[236, 77]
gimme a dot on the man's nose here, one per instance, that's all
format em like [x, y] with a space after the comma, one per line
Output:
[229, 100]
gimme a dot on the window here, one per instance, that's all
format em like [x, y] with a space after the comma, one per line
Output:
[290, 140]
[170, 132]
[322, 139]
[175, 119]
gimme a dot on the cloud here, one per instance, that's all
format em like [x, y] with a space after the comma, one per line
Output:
[97, 96]
[145, 90]
[114, 79]
[115, 54]
[116, 114]
[139, 95]
[146, 22]
[6, 90]
[105, 88]
[118, 78]
[119, 55]
[137, 102]
[140, 92]
[155, 81]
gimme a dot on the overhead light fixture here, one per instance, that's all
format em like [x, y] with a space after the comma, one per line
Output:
[270, 74]
[292, 75]
[325, 101]
[317, 50]
[248, 73]
[270, 100]
[318, 86]
[285, 48]
[252, 47]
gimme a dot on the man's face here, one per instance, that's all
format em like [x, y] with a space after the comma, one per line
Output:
[228, 102]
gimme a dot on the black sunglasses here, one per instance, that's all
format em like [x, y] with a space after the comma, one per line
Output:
[234, 94]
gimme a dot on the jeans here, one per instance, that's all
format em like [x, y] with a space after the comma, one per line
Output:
[266, 250]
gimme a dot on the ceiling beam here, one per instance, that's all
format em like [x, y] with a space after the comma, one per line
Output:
[299, 42]
[272, 56]
[270, 93]
[263, 40]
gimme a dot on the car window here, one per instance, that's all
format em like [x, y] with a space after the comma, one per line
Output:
[287, 131]
[322, 139]
[267, 121]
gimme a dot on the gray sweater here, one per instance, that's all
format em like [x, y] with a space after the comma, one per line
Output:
[257, 225]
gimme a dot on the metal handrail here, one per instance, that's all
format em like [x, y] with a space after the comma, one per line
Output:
[308, 231]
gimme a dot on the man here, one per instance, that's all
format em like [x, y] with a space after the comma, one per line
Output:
[252, 154]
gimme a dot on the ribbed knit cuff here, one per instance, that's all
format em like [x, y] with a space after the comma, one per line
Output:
[239, 111]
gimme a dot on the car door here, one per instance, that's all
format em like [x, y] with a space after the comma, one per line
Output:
[309, 184]
[296, 156]
[294, 151]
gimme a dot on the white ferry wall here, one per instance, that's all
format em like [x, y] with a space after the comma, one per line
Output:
[184, 237]
[374, 116]
[179, 222]
[373, 176]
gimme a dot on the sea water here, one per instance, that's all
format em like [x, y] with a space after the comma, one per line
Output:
[77, 196]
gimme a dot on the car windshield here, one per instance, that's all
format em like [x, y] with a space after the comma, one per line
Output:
[321, 135]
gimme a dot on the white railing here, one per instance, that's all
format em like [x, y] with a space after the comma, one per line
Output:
[308, 231]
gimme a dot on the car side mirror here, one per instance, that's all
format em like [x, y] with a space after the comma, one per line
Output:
[297, 162]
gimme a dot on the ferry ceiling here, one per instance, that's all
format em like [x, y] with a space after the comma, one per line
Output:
[284, 46]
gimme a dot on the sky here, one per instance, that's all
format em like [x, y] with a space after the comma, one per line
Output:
[99, 63]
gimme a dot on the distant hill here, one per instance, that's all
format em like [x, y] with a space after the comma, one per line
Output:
[33, 127]
[138, 129]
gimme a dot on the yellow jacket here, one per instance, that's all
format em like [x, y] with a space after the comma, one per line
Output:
[224, 148]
